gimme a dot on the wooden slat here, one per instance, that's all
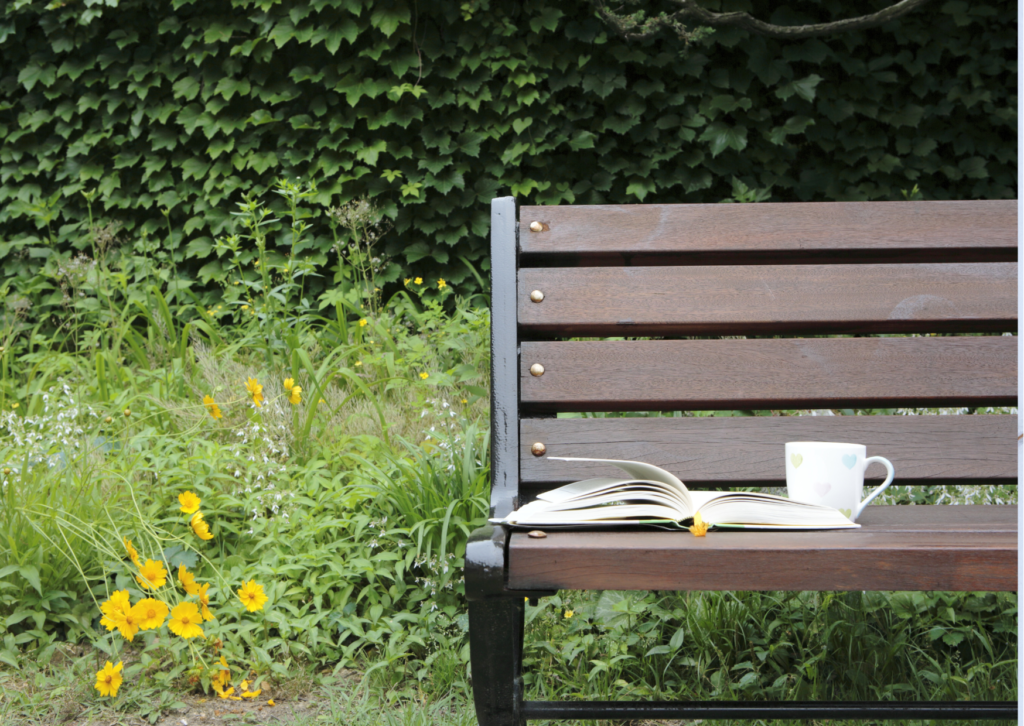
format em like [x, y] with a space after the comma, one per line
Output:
[775, 373]
[750, 451]
[952, 230]
[898, 548]
[769, 299]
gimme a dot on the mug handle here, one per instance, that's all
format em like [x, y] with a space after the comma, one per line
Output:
[881, 487]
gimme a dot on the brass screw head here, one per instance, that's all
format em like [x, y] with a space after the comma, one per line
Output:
[536, 227]
[538, 449]
[537, 369]
[537, 296]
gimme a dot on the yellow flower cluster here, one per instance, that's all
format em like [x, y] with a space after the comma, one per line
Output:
[185, 619]
[255, 390]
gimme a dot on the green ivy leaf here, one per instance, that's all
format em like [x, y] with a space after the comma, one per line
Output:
[803, 88]
[722, 137]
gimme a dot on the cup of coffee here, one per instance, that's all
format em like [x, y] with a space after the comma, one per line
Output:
[831, 474]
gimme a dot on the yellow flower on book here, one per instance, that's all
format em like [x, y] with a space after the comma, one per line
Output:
[189, 502]
[700, 527]
[185, 620]
[200, 527]
[108, 679]
[252, 596]
[152, 575]
[187, 580]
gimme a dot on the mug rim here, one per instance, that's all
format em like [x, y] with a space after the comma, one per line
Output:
[823, 443]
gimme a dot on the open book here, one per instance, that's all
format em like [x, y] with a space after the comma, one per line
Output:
[653, 496]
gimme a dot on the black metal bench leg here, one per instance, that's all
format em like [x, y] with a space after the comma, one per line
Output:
[496, 655]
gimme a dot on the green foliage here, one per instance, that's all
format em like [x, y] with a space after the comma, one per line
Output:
[166, 112]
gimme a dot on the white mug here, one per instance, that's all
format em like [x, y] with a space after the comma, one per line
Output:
[831, 474]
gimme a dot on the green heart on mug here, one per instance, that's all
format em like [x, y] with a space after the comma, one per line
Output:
[797, 460]
[846, 512]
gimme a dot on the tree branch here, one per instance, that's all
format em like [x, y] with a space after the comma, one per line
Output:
[638, 27]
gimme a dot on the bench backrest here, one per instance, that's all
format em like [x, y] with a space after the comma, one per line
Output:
[780, 276]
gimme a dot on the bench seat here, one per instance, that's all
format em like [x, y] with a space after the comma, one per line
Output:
[926, 547]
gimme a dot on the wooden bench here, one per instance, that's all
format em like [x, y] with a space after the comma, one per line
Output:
[783, 275]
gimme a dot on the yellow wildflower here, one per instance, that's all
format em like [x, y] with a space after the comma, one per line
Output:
[322, 401]
[189, 502]
[271, 702]
[418, 281]
[255, 390]
[133, 554]
[115, 609]
[245, 307]
[424, 375]
[246, 693]
[15, 405]
[108, 679]
[150, 613]
[568, 614]
[152, 575]
[226, 695]
[127, 620]
[185, 620]
[252, 596]
[362, 322]
[294, 392]
[407, 281]
[464, 400]
[441, 284]
[212, 407]
[204, 602]
[222, 677]
[200, 527]
[187, 580]
[359, 362]
[700, 527]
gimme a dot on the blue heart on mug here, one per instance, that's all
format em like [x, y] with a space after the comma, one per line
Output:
[849, 460]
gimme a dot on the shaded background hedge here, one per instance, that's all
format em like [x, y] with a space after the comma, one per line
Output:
[433, 108]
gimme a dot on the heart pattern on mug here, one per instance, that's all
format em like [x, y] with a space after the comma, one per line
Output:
[822, 488]
[849, 460]
[846, 512]
[797, 460]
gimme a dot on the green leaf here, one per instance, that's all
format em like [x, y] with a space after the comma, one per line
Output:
[31, 574]
[386, 17]
[722, 137]
[803, 88]
[547, 19]
[228, 87]
[35, 73]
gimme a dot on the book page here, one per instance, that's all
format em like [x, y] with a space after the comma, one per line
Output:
[639, 471]
[767, 510]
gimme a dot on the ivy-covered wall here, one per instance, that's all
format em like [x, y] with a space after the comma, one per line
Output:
[434, 107]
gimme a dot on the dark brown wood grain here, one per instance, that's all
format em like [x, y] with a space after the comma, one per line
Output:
[951, 230]
[775, 373]
[897, 548]
[750, 451]
[769, 299]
